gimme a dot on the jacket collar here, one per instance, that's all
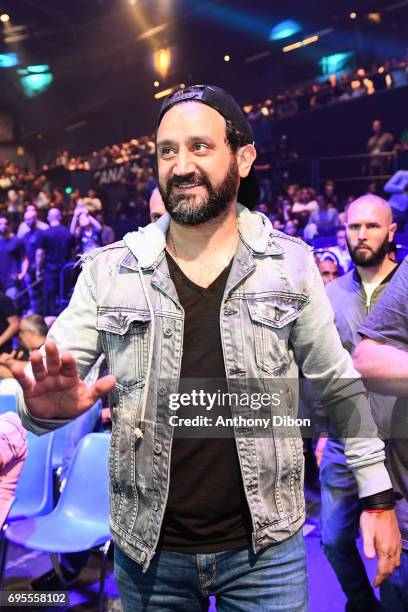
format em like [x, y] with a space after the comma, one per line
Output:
[148, 243]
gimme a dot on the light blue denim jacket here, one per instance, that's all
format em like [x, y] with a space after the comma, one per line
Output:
[274, 317]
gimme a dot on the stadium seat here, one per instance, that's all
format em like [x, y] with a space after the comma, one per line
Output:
[80, 520]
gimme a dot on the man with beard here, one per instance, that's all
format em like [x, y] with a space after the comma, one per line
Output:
[210, 292]
[369, 232]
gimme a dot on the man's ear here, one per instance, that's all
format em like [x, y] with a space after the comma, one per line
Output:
[245, 158]
[391, 231]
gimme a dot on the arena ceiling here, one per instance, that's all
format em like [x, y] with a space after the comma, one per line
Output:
[98, 53]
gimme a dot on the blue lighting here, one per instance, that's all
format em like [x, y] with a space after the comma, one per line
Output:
[330, 64]
[284, 29]
[8, 60]
[34, 84]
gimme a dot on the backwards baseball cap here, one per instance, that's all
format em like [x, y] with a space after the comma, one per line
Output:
[225, 105]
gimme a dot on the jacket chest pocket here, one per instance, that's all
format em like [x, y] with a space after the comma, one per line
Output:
[125, 342]
[272, 319]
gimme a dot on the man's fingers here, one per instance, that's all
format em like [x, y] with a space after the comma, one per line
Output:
[386, 565]
[19, 374]
[52, 358]
[37, 366]
[68, 366]
[101, 387]
[368, 544]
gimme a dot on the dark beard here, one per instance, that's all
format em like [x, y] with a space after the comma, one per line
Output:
[184, 209]
[370, 259]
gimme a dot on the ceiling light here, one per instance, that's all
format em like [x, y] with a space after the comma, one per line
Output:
[226, 58]
[156, 84]
[353, 15]
[4, 17]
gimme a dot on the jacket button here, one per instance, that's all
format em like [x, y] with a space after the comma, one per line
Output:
[155, 506]
[121, 338]
[167, 331]
[157, 448]
[162, 390]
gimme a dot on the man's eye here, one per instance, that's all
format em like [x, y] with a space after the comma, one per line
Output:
[166, 151]
[200, 147]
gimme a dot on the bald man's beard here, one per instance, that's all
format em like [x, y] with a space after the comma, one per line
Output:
[191, 209]
[367, 259]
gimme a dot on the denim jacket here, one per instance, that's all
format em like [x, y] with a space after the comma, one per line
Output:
[274, 318]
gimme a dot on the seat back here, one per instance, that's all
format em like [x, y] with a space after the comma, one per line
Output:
[86, 492]
[8, 403]
[34, 493]
[60, 439]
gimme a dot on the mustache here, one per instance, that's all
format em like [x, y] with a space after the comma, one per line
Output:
[192, 178]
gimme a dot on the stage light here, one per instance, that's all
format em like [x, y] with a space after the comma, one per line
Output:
[162, 60]
[353, 15]
[334, 63]
[38, 68]
[375, 17]
[156, 84]
[226, 58]
[381, 69]
[301, 43]
[8, 60]
[284, 29]
[4, 18]
[162, 94]
[68, 190]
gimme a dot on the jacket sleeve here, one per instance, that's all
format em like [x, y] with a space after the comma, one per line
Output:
[74, 331]
[319, 353]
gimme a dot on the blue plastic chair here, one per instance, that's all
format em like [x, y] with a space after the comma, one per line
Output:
[60, 439]
[34, 493]
[80, 520]
[8, 403]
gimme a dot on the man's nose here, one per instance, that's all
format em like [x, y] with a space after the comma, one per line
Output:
[362, 234]
[184, 163]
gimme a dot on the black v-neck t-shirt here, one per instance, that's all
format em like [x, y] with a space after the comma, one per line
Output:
[207, 509]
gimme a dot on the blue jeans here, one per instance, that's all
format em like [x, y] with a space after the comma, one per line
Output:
[340, 520]
[272, 580]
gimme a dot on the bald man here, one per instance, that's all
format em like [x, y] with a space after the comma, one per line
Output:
[55, 250]
[369, 232]
[156, 205]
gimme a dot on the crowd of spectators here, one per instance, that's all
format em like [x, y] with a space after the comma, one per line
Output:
[335, 89]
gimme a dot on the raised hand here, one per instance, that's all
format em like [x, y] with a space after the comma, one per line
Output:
[55, 390]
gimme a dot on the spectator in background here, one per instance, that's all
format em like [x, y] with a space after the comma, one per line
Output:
[291, 228]
[330, 194]
[329, 269]
[23, 228]
[13, 259]
[86, 230]
[91, 202]
[156, 205]
[13, 451]
[304, 204]
[32, 241]
[14, 207]
[322, 222]
[9, 322]
[107, 233]
[379, 142]
[32, 334]
[54, 252]
[398, 187]
[341, 250]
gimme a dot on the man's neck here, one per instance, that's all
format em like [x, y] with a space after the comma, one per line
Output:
[192, 242]
[376, 274]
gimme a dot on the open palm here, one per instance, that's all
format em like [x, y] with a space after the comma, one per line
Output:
[55, 391]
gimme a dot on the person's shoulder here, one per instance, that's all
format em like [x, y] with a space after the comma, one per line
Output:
[290, 242]
[343, 283]
[113, 251]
